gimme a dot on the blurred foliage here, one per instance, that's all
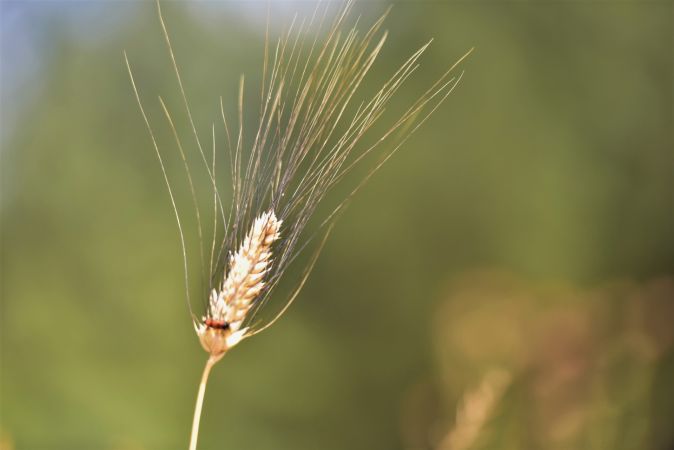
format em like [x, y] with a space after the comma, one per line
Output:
[552, 163]
[586, 365]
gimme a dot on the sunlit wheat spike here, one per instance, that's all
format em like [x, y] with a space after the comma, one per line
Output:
[247, 268]
[243, 283]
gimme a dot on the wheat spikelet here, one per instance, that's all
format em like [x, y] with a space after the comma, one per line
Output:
[244, 280]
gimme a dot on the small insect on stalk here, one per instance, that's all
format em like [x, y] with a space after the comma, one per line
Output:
[306, 141]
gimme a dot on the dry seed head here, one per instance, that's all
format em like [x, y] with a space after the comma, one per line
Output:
[243, 283]
[311, 122]
[306, 142]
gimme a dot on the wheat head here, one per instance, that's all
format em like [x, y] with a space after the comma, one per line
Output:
[244, 281]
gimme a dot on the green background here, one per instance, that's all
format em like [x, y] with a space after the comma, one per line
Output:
[527, 227]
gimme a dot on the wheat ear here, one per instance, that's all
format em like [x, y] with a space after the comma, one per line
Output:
[247, 269]
[227, 308]
[243, 283]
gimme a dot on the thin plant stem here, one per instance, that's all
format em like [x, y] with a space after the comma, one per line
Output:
[200, 400]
